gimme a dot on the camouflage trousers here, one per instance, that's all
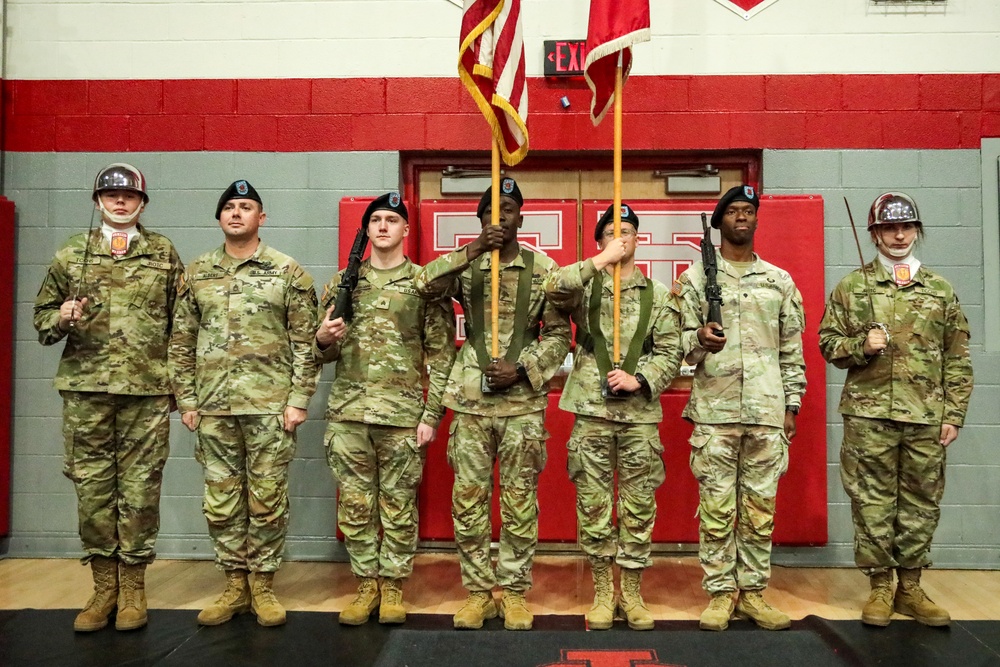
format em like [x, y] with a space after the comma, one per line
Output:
[737, 467]
[597, 449]
[245, 458]
[378, 469]
[893, 473]
[115, 450]
[517, 444]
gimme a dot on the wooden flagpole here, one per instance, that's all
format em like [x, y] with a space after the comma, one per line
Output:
[616, 209]
[495, 255]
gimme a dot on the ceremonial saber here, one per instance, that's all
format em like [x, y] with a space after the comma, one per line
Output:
[873, 324]
[83, 267]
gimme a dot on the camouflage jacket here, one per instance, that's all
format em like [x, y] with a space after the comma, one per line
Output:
[120, 344]
[451, 276]
[761, 369]
[243, 332]
[393, 337]
[924, 376]
[569, 289]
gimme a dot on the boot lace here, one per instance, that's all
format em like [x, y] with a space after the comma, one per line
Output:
[720, 603]
[756, 600]
[603, 583]
[392, 595]
[234, 590]
[263, 594]
[514, 600]
[366, 592]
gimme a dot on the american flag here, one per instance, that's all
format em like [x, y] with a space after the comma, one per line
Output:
[615, 25]
[491, 65]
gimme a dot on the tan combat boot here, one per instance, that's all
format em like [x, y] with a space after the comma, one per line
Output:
[752, 605]
[363, 604]
[632, 606]
[266, 607]
[912, 601]
[131, 597]
[234, 600]
[718, 612]
[478, 607]
[391, 610]
[602, 615]
[514, 611]
[878, 609]
[94, 615]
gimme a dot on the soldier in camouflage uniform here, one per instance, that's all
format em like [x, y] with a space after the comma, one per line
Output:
[748, 387]
[616, 434]
[243, 371]
[110, 294]
[379, 423]
[908, 385]
[506, 422]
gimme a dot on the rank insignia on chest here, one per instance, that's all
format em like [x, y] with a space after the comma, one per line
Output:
[901, 273]
[119, 244]
[382, 303]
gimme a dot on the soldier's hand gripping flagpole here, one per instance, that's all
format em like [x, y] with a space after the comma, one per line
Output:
[873, 323]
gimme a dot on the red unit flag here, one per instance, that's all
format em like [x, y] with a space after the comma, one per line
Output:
[615, 25]
[491, 65]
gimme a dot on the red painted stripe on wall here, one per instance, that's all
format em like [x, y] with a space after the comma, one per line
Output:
[662, 113]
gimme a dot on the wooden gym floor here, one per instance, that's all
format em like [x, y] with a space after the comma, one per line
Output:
[562, 585]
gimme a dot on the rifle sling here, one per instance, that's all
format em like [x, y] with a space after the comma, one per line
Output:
[521, 334]
[597, 340]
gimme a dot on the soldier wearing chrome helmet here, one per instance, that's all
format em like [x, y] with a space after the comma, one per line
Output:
[904, 401]
[110, 294]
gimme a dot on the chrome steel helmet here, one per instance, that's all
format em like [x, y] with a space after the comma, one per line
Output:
[892, 207]
[120, 176]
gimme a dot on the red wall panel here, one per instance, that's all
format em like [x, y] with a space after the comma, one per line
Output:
[669, 112]
[802, 497]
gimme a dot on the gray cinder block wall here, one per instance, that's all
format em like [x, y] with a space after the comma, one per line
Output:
[947, 186]
[301, 194]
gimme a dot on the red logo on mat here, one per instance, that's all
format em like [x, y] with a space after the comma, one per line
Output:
[597, 658]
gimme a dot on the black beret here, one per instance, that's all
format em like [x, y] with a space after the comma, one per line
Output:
[508, 188]
[238, 190]
[628, 215]
[390, 201]
[746, 193]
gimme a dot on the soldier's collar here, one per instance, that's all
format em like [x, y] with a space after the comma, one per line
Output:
[518, 261]
[221, 255]
[728, 267]
[377, 276]
[637, 279]
[881, 274]
[137, 246]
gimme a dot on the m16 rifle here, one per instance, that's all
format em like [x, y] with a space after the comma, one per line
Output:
[343, 304]
[713, 293]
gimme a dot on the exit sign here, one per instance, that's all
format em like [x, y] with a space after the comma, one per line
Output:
[565, 57]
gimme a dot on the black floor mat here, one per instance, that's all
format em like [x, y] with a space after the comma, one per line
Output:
[31, 637]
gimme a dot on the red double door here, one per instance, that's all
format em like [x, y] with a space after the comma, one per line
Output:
[790, 235]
